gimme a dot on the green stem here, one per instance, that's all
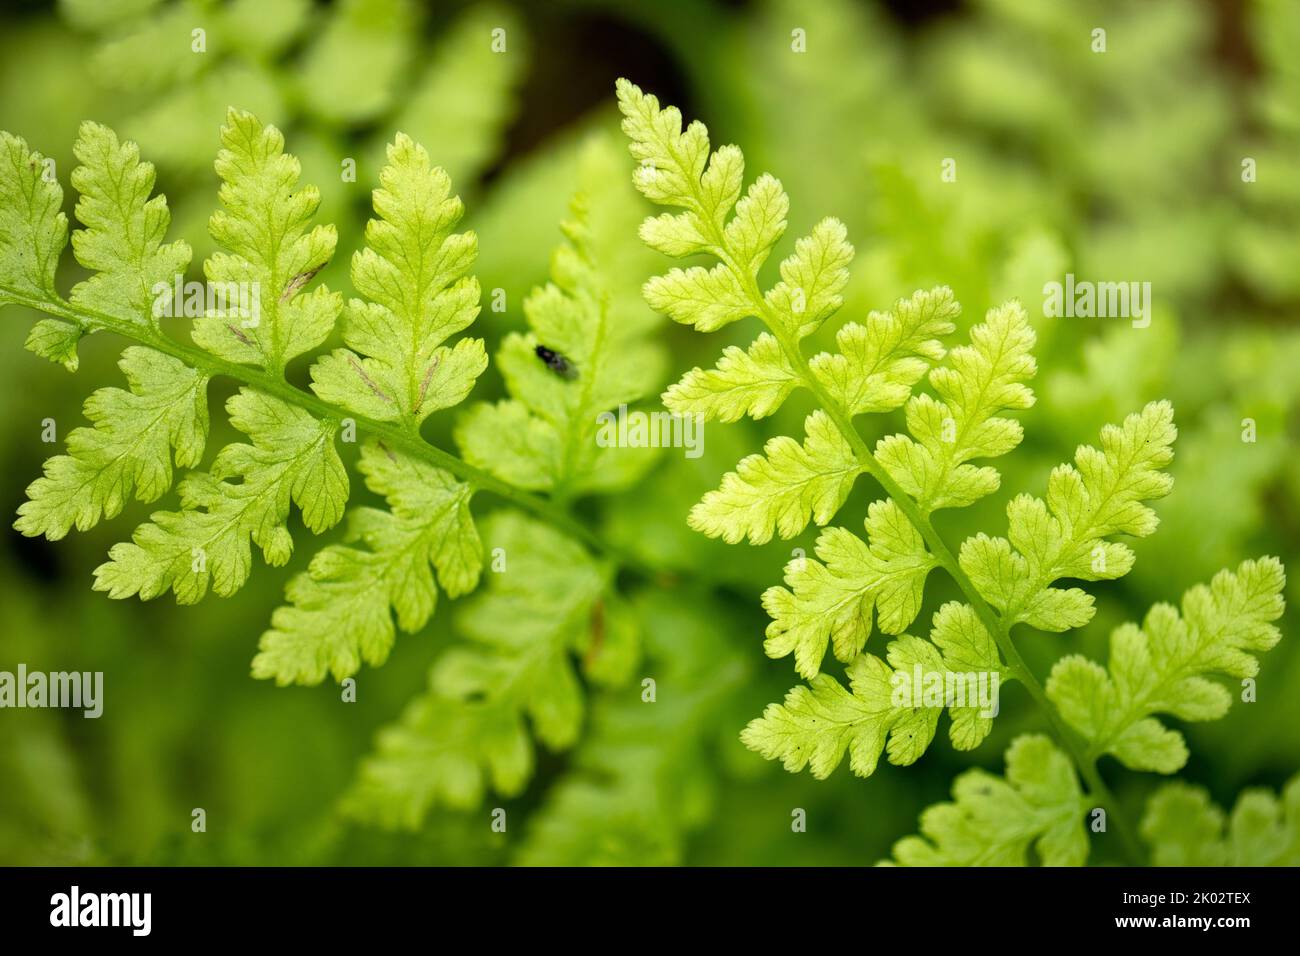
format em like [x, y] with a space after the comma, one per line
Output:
[407, 440]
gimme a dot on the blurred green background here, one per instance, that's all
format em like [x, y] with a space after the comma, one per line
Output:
[1122, 165]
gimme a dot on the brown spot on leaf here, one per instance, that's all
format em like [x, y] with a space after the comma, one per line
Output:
[297, 282]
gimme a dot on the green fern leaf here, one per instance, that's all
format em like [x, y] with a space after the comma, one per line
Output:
[980, 380]
[1160, 667]
[835, 600]
[894, 704]
[33, 230]
[263, 224]
[879, 362]
[994, 821]
[413, 273]
[292, 458]
[1066, 536]
[128, 452]
[1184, 828]
[548, 435]
[779, 490]
[339, 611]
[122, 243]
[753, 382]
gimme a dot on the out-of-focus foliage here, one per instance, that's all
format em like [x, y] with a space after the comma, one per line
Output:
[1128, 164]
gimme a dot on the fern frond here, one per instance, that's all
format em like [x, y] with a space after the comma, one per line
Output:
[263, 228]
[779, 490]
[1160, 668]
[272, 257]
[128, 452]
[33, 232]
[1005, 581]
[414, 275]
[979, 380]
[547, 602]
[1184, 828]
[553, 615]
[545, 437]
[836, 599]
[1100, 496]
[892, 704]
[996, 821]
[206, 544]
[338, 613]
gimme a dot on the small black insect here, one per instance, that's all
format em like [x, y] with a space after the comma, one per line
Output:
[556, 362]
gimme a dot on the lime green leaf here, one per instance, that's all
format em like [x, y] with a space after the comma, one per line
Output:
[677, 170]
[271, 257]
[994, 821]
[895, 704]
[127, 454]
[524, 626]
[1184, 828]
[464, 99]
[338, 613]
[750, 382]
[32, 229]
[1161, 667]
[554, 433]
[55, 340]
[206, 544]
[836, 599]
[442, 753]
[1066, 536]
[780, 489]
[705, 298]
[122, 243]
[812, 279]
[414, 274]
[880, 361]
[978, 381]
[543, 603]
[353, 71]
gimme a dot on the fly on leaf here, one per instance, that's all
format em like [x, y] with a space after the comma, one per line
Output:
[556, 362]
